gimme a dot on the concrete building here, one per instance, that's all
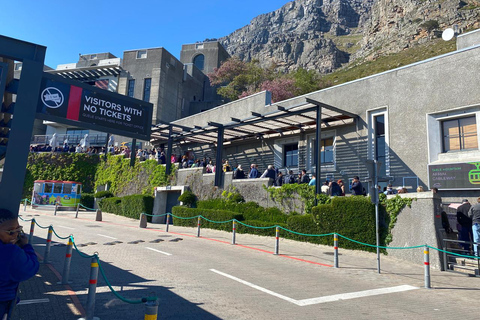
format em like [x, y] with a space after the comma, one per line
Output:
[174, 88]
[421, 121]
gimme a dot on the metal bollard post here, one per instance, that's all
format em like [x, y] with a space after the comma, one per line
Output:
[66, 264]
[49, 242]
[168, 221]
[32, 228]
[25, 205]
[198, 227]
[143, 220]
[234, 231]
[427, 266]
[55, 212]
[335, 252]
[277, 233]
[151, 310]
[76, 214]
[91, 289]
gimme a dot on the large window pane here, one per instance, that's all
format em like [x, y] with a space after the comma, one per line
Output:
[57, 188]
[146, 89]
[131, 87]
[48, 188]
[290, 152]
[460, 134]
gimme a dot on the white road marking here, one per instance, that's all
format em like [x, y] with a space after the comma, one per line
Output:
[66, 227]
[165, 253]
[33, 301]
[102, 235]
[335, 297]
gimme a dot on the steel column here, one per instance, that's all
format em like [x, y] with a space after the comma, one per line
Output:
[318, 154]
[134, 153]
[218, 158]
[168, 162]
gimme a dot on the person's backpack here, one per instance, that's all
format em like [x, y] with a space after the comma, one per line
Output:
[291, 179]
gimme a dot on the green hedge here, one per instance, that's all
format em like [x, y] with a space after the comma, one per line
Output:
[128, 206]
[87, 200]
[353, 217]
[249, 210]
[215, 215]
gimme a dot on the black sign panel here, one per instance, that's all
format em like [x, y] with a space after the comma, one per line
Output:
[74, 103]
[455, 176]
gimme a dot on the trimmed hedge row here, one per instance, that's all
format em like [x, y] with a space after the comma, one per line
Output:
[87, 199]
[352, 217]
[128, 206]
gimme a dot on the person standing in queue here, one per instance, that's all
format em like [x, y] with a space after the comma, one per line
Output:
[357, 187]
[18, 261]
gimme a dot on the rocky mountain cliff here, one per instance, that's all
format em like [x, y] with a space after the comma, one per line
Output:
[326, 34]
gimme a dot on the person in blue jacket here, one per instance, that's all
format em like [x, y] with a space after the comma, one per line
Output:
[18, 261]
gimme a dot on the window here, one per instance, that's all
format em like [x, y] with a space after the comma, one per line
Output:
[131, 87]
[290, 155]
[379, 143]
[326, 150]
[77, 132]
[57, 188]
[141, 54]
[18, 66]
[459, 134]
[93, 56]
[199, 61]
[48, 188]
[146, 89]
[199, 46]
[67, 188]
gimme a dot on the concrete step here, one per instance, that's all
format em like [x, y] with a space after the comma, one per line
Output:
[468, 269]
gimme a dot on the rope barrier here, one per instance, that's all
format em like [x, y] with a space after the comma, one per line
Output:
[155, 215]
[246, 225]
[219, 222]
[117, 294]
[183, 218]
[81, 205]
[455, 254]
[24, 219]
[56, 234]
[40, 225]
[381, 247]
[307, 234]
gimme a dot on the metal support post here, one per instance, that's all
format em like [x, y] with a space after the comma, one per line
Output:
[427, 266]
[25, 205]
[234, 231]
[168, 160]
[151, 310]
[277, 237]
[168, 221]
[76, 214]
[335, 252]
[198, 227]
[91, 289]
[377, 218]
[49, 243]
[32, 228]
[56, 207]
[68, 259]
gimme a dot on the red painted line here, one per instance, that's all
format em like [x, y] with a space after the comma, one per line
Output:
[92, 281]
[70, 291]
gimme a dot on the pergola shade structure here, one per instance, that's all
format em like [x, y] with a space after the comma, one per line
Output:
[280, 122]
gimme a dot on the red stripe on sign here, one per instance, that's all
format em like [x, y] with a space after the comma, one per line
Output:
[93, 281]
[426, 263]
[74, 103]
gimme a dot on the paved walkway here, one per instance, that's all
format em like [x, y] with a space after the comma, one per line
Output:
[301, 261]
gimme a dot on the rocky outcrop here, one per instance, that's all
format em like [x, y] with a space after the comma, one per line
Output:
[326, 34]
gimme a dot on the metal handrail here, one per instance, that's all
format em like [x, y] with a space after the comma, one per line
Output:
[469, 252]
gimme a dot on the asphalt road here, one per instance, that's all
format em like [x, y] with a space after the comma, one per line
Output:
[209, 278]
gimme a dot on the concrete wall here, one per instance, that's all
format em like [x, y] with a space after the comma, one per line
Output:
[420, 224]
[213, 52]
[468, 39]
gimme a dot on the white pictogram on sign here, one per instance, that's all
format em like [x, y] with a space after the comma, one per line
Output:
[52, 97]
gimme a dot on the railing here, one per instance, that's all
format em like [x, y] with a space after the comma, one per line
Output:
[463, 253]
[94, 139]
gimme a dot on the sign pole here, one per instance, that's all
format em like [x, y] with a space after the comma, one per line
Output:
[377, 222]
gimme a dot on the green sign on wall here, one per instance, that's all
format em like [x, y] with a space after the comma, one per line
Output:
[455, 175]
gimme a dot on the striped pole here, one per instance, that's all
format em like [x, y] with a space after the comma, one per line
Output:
[92, 288]
[76, 214]
[55, 212]
[49, 242]
[198, 227]
[68, 259]
[335, 252]
[32, 228]
[427, 266]
[25, 205]
[151, 310]
[168, 221]
[234, 231]
[277, 233]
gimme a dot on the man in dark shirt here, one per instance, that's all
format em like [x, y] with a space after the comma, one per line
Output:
[304, 178]
[465, 223]
[357, 187]
[474, 214]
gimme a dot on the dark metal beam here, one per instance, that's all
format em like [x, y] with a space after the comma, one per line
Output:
[318, 154]
[218, 158]
[332, 108]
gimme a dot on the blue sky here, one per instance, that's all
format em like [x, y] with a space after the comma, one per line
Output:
[68, 27]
